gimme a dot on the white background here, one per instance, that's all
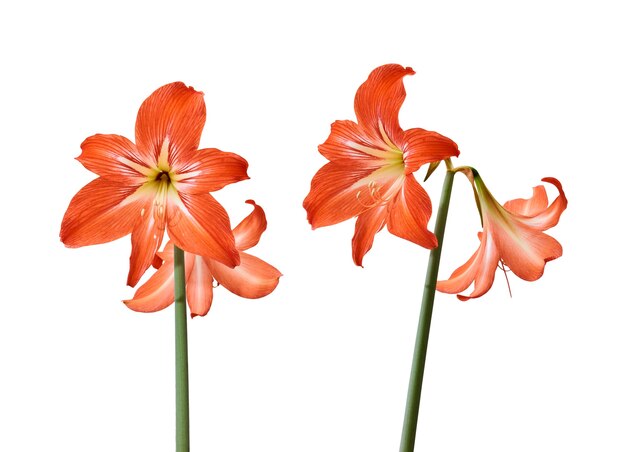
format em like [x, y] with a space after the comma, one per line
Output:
[527, 89]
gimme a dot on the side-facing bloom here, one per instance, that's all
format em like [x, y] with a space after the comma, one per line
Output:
[512, 237]
[253, 278]
[369, 175]
[161, 182]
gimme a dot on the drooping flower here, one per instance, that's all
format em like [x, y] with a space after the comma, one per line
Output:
[369, 175]
[253, 278]
[512, 237]
[161, 182]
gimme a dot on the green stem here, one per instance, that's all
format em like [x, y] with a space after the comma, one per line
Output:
[407, 443]
[182, 367]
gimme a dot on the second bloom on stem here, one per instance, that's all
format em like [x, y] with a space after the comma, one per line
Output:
[253, 278]
[370, 173]
[512, 237]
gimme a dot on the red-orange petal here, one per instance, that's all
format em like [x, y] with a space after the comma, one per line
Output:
[174, 112]
[525, 251]
[422, 146]
[348, 143]
[549, 217]
[378, 100]
[146, 240]
[409, 214]
[531, 207]
[367, 225]
[248, 232]
[199, 224]
[100, 212]
[199, 287]
[113, 156]
[209, 170]
[158, 292]
[334, 195]
[253, 278]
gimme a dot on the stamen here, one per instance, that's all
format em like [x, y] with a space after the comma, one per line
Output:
[501, 266]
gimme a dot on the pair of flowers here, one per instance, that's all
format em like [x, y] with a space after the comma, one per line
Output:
[163, 182]
[370, 176]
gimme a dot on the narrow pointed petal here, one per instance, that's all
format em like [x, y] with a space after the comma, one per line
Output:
[199, 287]
[462, 277]
[409, 214]
[367, 225]
[253, 278]
[551, 215]
[113, 156]
[100, 212]
[174, 114]
[348, 143]
[378, 100]
[209, 170]
[199, 224]
[146, 239]
[248, 232]
[422, 146]
[335, 194]
[158, 292]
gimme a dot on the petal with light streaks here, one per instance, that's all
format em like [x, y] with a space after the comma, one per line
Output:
[199, 287]
[102, 211]
[335, 194]
[422, 146]
[199, 224]
[115, 157]
[367, 225]
[158, 292]
[209, 170]
[248, 232]
[253, 278]
[349, 143]
[378, 100]
[409, 214]
[173, 114]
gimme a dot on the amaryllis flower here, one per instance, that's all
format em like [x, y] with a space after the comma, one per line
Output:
[371, 164]
[161, 182]
[253, 278]
[512, 238]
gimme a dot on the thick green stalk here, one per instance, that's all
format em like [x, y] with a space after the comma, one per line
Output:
[407, 443]
[182, 367]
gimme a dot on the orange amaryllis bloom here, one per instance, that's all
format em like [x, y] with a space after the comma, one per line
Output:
[371, 164]
[512, 236]
[162, 182]
[253, 278]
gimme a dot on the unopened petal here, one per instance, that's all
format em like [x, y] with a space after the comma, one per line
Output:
[248, 233]
[252, 278]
